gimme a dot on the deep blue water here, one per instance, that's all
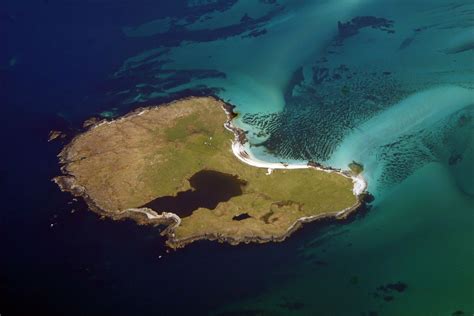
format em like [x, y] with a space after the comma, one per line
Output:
[395, 94]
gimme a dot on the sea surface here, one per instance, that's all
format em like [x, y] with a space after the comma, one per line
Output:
[385, 83]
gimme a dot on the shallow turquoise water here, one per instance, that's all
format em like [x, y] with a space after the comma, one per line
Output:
[397, 95]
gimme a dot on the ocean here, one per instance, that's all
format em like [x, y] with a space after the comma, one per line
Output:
[385, 83]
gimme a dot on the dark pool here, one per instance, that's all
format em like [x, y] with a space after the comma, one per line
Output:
[209, 188]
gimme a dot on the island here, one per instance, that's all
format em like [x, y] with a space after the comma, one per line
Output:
[187, 166]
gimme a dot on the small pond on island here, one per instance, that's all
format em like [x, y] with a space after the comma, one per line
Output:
[209, 188]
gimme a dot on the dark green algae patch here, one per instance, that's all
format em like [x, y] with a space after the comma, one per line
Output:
[356, 167]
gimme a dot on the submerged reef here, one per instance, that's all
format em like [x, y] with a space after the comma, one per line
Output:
[387, 292]
[335, 102]
[352, 27]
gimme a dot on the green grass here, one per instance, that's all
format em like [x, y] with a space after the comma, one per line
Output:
[199, 141]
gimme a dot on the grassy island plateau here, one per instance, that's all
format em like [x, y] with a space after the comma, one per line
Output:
[185, 165]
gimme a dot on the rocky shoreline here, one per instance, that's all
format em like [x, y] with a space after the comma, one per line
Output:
[146, 216]
[244, 156]
[341, 215]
